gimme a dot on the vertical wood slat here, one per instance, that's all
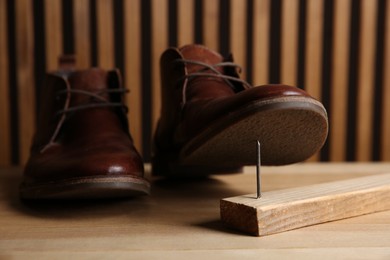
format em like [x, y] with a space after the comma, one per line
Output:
[159, 44]
[185, 22]
[366, 80]
[340, 68]
[313, 61]
[210, 23]
[82, 33]
[132, 9]
[25, 75]
[314, 18]
[53, 18]
[5, 133]
[238, 33]
[289, 38]
[261, 20]
[385, 127]
[105, 36]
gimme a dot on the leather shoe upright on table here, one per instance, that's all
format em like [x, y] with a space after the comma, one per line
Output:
[210, 119]
[82, 147]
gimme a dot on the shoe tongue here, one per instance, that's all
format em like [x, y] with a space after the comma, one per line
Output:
[204, 87]
[202, 54]
[92, 80]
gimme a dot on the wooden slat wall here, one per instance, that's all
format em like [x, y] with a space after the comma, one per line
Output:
[385, 127]
[133, 68]
[5, 139]
[337, 50]
[53, 39]
[210, 23]
[24, 34]
[82, 33]
[366, 80]
[314, 44]
[290, 13]
[261, 24]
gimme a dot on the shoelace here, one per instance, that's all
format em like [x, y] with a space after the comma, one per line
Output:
[97, 95]
[217, 73]
[103, 102]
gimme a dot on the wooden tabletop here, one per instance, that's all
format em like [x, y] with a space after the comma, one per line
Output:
[181, 220]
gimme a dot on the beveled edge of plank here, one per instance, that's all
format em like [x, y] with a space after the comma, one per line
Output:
[283, 210]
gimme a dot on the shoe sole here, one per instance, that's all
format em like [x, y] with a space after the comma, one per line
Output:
[290, 130]
[95, 187]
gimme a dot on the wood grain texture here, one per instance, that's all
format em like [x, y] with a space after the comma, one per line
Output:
[105, 33]
[289, 38]
[365, 88]
[25, 75]
[283, 210]
[5, 133]
[133, 68]
[82, 33]
[339, 85]
[210, 23]
[159, 45]
[261, 20]
[163, 226]
[53, 37]
[185, 22]
[385, 127]
[238, 33]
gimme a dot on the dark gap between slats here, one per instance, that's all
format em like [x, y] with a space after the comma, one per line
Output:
[67, 27]
[274, 42]
[146, 68]
[93, 33]
[172, 23]
[39, 51]
[353, 79]
[326, 81]
[224, 27]
[249, 41]
[119, 40]
[301, 44]
[378, 81]
[198, 22]
[13, 90]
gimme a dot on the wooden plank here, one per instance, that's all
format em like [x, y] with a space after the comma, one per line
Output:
[340, 68]
[366, 76]
[185, 22]
[159, 45]
[283, 210]
[385, 127]
[25, 75]
[53, 33]
[5, 133]
[82, 33]
[133, 69]
[289, 60]
[261, 24]
[313, 57]
[105, 33]
[210, 23]
[238, 33]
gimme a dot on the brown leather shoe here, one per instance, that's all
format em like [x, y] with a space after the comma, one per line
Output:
[82, 147]
[210, 119]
